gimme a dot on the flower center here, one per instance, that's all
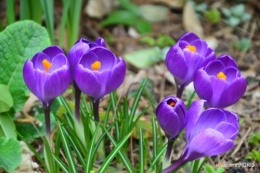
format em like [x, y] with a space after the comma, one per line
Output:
[46, 64]
[96, 65]
[221, 75]
[191, 48]
[171, 102]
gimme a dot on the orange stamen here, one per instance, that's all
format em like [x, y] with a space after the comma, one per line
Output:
[96, 65]
[221, 75]
[191, 48]
[46, 64]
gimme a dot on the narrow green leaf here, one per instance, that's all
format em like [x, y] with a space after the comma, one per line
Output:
[65, 11]
[122, 154]
[68, 152]
[158, 156]
[19, 42]
[10, 12]
[35, 10]
[154, 129]
[33, 150]
[61, 164]
[24, 12]
[6, 100]
[112, 154]
[136, 101]
[48, 11]
[10, 153]
[91, 157]
[50, 164]
[141, 151]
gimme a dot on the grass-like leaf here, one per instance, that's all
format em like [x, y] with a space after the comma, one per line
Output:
[68, 152]
[112, 154]
[141, 151]
[61, 164]
[48, 11]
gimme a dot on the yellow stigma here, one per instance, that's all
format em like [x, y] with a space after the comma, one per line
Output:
[191, 48]
[221, 75]
[46, 64]
[96, 65]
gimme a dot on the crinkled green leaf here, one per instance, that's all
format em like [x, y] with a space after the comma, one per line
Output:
[6, 100]
[18, 42]
[10, 153]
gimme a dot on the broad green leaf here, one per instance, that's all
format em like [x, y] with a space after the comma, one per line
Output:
[130, 6]
[10, 153]
[120, 17]
[7, 125]
[238, 10]
[6, 100]
[143, 26]
[18, 42]
[144, 57]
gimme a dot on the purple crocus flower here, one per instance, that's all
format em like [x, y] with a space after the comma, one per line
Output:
[171, 115]
[80, 48]
[74, 56]
[188, 55]
[47, 76]
[220, 83]
[208, 134]
[99, 72]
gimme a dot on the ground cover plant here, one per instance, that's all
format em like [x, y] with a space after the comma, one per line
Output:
[112, 96]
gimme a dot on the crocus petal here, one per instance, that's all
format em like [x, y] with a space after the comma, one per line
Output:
[219, 87]
[193, 114]
[168, 120]
[232, 118]
[58, 62]
[29, 78]
[176, 63]
[103, 78]
[37, 60]
[231, 73]
[87, 81]
[202, 85]
[228, 130]
[88, 59]
[208, 119]
[193, 61]
[57, 83]
[233, 92]
[76, 52]
[201, 46]
[189, 37]
[214, 67]
[105, 56]
[40, 79]
[227, 60]
[117, 76]
[101, 42]
[53, 51]
[208, 143]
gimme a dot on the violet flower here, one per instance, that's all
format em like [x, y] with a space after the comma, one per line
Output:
[220, 83]
[98, 73]
[208, 134]
[188, 55]
[74, 56]
[47, 76]
[171, 115]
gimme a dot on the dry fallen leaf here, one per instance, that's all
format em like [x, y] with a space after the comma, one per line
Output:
[176, 4]
[190, 21]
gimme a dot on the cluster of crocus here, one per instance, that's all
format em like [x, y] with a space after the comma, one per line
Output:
[218, 82]
[90, 67]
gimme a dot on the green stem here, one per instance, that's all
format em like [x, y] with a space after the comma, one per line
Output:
[47, 121]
